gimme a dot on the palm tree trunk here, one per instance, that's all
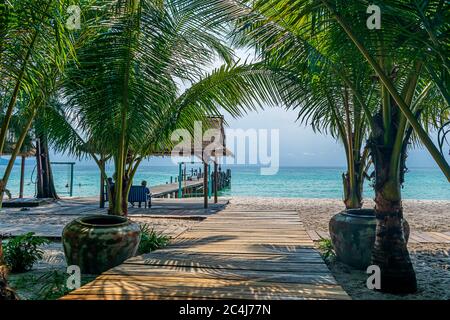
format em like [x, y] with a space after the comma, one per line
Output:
[46, 186]
[352, 194]
[14, 154]
[125, 203]
[125, 192]
[15, 93]
[390, 251]
[350, 179]
[102, 184]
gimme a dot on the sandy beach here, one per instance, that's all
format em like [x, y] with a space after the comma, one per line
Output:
[431, 261]
[422, 215]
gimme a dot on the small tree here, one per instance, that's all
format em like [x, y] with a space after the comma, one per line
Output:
[409, 71]
[121, 100]
[35, 46]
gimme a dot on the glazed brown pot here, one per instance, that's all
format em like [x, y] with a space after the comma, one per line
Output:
[353, 236]
[101, 242]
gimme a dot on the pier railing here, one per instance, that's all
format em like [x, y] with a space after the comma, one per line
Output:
[192, 185]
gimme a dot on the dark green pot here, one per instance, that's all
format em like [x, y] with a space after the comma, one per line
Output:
[101, 242]
[353, 236]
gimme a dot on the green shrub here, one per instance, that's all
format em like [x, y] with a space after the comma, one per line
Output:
[150, 240]
[327, 250]
[50, 285]
[53, 285]
[21, 252]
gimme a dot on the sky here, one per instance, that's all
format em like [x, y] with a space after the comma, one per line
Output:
[298, 145]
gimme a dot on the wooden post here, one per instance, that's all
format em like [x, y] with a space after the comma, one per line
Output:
[216, 180]
[102, 186]
[205, 184]
[180, 192]
[71, 180]
[22, 176]
[39, 177]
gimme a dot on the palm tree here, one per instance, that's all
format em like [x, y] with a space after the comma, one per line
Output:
[405, 79]
[34, 48]
[120, 101]
[409, 71]
[319, 87]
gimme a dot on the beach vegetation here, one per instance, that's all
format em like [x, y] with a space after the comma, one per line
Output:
[327, 250]
[151, 240]
[49, 285]
[121, 100]
[21, 252]
[35, 48]
[395, 76]
[115, 89]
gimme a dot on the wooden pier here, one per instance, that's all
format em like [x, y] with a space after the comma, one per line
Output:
[170, 190]
[193, 186]
[230, 255]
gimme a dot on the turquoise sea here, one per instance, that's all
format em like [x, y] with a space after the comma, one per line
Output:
[291, 182]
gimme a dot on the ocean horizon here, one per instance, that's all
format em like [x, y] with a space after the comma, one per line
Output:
[421, 183]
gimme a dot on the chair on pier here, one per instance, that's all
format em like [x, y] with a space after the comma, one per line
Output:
[138, 194]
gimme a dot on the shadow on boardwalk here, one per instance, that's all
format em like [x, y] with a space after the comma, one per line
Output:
[230, 255]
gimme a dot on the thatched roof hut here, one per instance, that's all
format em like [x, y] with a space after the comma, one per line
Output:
[209, 149]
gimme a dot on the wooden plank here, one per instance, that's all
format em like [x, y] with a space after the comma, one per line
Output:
[217, 290]
[416, 238]
[255, 249]
[156, 273]
[313, 235]
[323, 234]
[237, 255]
[425, 238]
[273, 255]
[216, 240]
[440, 236]
[235, 262]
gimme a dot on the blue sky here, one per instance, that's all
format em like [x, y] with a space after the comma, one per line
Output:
[299, 146]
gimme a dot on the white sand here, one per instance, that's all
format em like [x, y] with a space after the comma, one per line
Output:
[422, 215]
[431, 261]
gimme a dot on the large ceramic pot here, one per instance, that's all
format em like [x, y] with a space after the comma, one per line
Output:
[98, 243]
[353, 236]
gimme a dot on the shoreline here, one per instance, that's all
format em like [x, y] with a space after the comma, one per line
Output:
[366, 200]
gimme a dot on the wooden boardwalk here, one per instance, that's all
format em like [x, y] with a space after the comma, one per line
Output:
[170, 188]
[49, 220]
[230, 255]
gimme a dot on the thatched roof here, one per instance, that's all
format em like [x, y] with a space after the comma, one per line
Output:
[214, 126]
[13, 134]
[27, 150]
